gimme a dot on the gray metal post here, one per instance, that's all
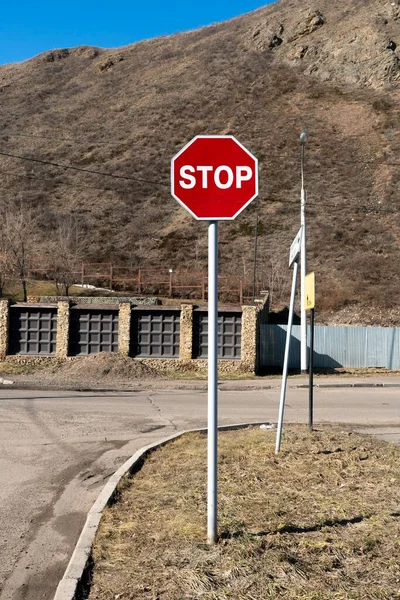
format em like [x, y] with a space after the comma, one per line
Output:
[311, 367]
[255, 259]
[303, 263]
[212, 531]
[286, 359]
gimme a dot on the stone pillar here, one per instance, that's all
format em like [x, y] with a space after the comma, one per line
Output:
[263, 303]
[63, 314]
[186, 332]
[124, 328]
[249, 338]
[4, 326]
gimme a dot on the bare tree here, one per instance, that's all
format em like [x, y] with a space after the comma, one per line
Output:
[278, 279]
[4, 267]
[18, 231]
[67, 249]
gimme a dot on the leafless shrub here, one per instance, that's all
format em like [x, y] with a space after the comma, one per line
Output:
[278, 279]
[66, 249]
[18, 233]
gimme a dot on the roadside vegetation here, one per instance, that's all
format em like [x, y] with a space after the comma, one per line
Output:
[13, 290]
[320, 521]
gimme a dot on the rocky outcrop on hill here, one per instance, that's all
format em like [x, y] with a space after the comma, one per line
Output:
[355, 45]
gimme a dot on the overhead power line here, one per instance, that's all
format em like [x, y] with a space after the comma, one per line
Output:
[116, 142]
[64, 183]
[288, 204]
[61, 139]
[80, 170]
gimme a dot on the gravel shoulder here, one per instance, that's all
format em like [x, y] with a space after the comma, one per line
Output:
[109, 371]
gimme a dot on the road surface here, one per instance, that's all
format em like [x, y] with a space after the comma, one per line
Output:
[59, 448]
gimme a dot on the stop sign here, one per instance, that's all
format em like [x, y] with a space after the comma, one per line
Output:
[214, 177]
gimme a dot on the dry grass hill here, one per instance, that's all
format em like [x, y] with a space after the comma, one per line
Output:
[332, 68]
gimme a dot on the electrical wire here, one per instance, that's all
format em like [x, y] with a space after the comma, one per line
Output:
[60, 139]
[64, 183]
[80, 170]
[309, 157]
[110, 142]
[289, 203]
[93, 141]
[152, 182]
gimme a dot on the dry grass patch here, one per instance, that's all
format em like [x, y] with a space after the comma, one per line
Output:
[13, 289]
[15, 368]
[319, 521]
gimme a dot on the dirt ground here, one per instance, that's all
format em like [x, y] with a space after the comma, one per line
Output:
[319, 521]
[111, 370]
[104, 368]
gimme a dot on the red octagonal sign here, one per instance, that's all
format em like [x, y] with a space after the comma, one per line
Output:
[214, 177]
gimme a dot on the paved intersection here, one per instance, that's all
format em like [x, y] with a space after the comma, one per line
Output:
[57, 449]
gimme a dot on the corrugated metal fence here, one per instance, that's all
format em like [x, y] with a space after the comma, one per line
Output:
[334, 347]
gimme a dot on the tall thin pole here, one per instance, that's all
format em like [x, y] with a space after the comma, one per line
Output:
[255, 259]
[212, 529]
[311, 366]
[286, 359]
[170, 283]
[303, 265]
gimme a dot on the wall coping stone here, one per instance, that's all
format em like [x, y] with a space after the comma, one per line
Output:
[32, 305]
[101, 300]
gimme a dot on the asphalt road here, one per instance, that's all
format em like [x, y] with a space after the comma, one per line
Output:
[59, 448]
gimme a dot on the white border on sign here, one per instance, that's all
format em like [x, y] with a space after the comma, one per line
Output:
[213, 137]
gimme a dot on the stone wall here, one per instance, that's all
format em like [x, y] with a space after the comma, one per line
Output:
[63, 318]
[186, 333]
[249, 338]
[45, 361]
[124, 328]
[4, 324]
[95, 300]
[197, 365]
[252, 316]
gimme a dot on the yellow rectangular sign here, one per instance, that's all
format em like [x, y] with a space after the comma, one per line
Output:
[309, 296]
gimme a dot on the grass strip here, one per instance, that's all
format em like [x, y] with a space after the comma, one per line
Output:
[320, 521]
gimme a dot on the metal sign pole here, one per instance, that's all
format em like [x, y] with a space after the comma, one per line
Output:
[286, 359]
[309, 304]
[255, 259]
[212, 380]
[303, 270]
[303, 261]
[211, 191]
[311, 366]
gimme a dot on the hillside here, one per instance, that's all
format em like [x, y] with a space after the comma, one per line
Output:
[331, 68]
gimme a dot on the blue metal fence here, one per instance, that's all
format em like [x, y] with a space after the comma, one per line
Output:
[355, 347]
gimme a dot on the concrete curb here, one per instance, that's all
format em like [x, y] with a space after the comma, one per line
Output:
[223, 386]
[75, 572]
[350, 385]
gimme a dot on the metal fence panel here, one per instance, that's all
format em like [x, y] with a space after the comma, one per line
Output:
[155, 334]
[229, 335]
[33, 331]
[356, 347]
[93, 331]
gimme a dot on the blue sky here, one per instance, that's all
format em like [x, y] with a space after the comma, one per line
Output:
[29, 27]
